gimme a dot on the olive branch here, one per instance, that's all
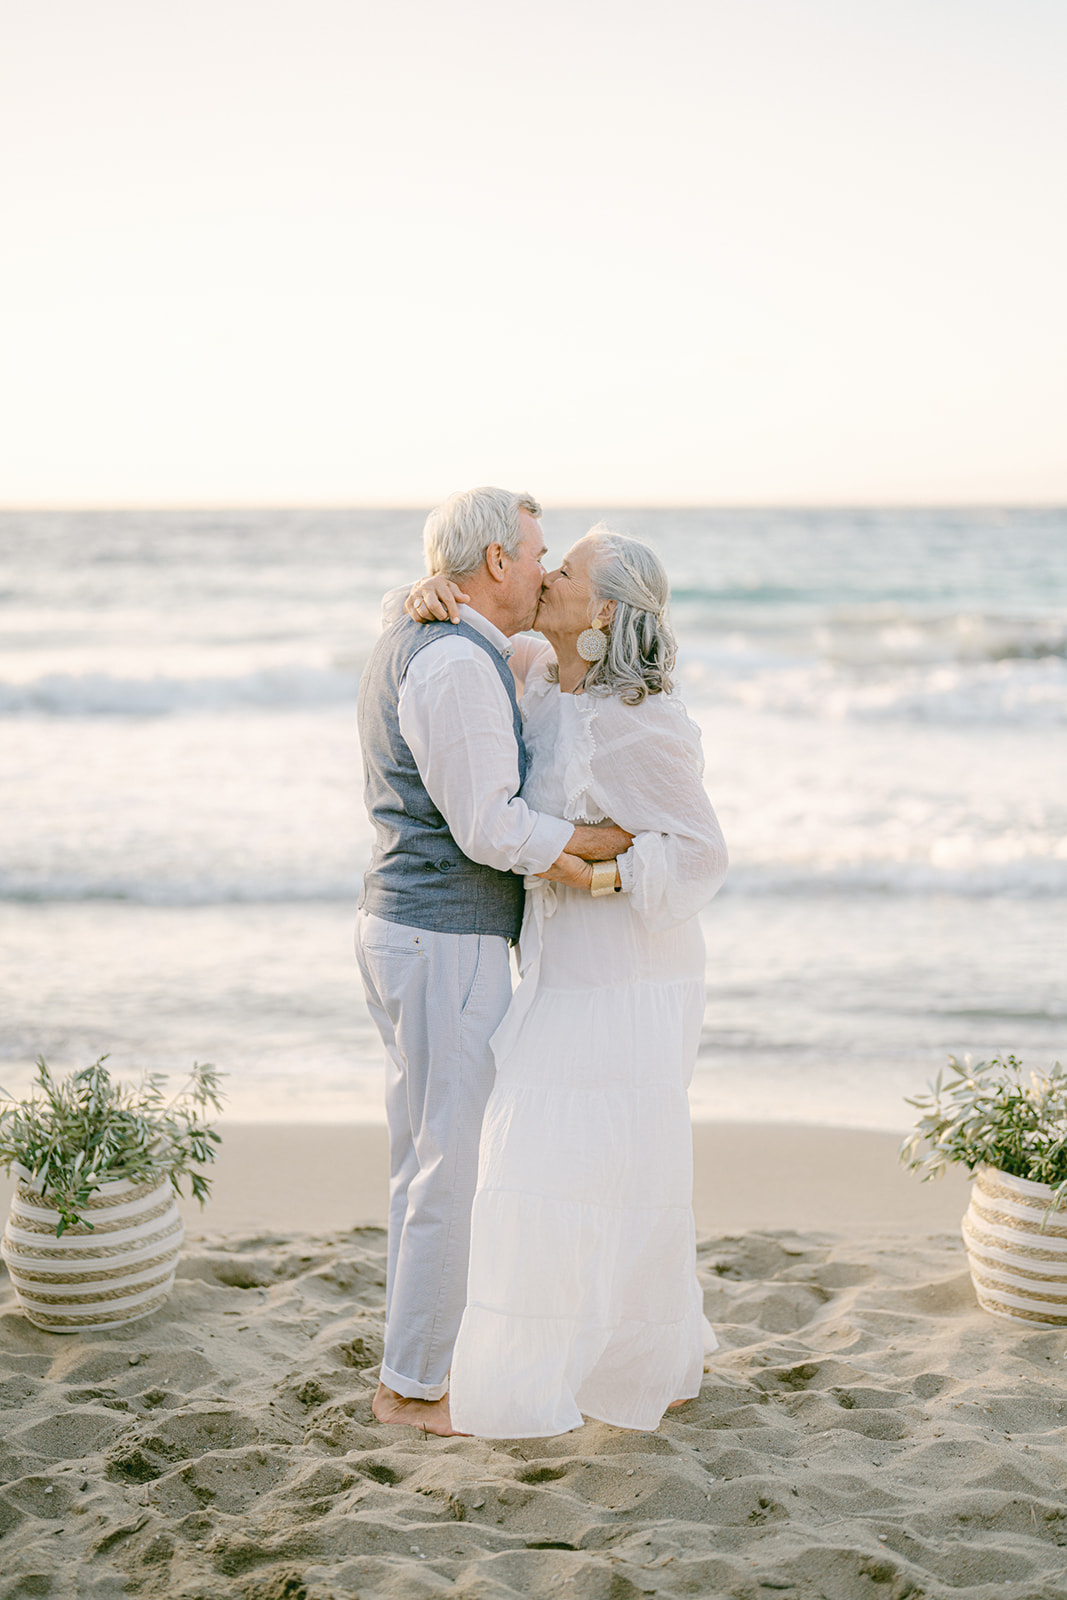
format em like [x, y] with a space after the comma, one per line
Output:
[73, 1134]
[995, 1114]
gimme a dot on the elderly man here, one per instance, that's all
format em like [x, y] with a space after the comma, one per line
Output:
[443, 763]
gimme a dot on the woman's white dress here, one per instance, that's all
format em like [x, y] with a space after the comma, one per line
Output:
[582, 1294]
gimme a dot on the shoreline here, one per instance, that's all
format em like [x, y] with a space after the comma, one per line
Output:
[314, 1178]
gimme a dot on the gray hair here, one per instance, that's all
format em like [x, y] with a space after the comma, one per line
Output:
[641, 645]
[460, 530]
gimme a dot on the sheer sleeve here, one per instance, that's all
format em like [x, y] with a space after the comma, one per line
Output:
[646, 773]
[393, 605]
[529, 657]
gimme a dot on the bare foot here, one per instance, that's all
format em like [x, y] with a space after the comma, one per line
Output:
[429, 1415]
[676, 1403]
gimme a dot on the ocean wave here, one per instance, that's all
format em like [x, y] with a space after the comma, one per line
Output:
[1032, 878]
[873, 633]
[1011, 691]
[873, 636]
[864, 664]
[1015, 691]
[101, 694]
[261, 889]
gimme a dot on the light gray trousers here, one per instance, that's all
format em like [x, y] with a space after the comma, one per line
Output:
[436, 999]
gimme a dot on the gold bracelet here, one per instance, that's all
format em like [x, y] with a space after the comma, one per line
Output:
[603, 878]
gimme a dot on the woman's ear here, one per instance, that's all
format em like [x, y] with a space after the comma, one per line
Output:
[605, 615]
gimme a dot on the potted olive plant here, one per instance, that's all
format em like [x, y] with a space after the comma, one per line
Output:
[93, 1235]
[1008, 1127]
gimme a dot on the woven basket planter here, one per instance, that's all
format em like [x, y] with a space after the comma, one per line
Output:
[1019, 1271]
[101, 1277]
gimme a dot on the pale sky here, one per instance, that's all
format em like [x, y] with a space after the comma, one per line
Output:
[701, 251]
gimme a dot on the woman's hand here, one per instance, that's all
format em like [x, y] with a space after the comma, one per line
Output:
[570, 869]
[435, 599]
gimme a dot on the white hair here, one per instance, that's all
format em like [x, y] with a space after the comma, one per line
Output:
[641, 645]
[460, 530]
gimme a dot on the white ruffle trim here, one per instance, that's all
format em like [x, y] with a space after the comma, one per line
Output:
[578, 772]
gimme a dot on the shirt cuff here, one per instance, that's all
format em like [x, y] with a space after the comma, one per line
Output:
[625, 864]
[548, 839]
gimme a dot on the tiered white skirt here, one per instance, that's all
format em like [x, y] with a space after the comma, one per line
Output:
[582, 1294]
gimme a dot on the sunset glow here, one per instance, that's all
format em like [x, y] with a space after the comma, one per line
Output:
[697, 253]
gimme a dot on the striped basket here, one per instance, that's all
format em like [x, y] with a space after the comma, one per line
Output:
[120, 1269]
[1019, 1271]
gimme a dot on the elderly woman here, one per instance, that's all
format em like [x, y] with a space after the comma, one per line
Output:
[582, 1294]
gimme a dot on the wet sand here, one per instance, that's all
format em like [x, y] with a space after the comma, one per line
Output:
[313, 1179]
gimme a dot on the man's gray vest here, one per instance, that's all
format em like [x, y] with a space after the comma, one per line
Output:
[418, 874]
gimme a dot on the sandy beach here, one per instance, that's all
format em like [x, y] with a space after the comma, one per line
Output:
[864, 1430]
[319, 1179]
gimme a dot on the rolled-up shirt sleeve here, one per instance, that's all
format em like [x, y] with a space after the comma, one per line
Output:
[456, 719]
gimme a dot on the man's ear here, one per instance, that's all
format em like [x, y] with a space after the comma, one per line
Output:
[496, 562]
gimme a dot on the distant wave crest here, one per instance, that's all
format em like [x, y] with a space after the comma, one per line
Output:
[1029, 878]
[878, 635]
[256, 889]
[1016, 690]
[1032, 878]
[1032, 692]
[100, 694]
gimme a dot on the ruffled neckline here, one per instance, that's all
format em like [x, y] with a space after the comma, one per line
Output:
[578, 766]
[574, 750]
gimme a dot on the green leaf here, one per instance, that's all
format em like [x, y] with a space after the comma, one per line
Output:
[74, 1134]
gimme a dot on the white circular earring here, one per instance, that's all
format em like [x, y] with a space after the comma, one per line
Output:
[592, 643]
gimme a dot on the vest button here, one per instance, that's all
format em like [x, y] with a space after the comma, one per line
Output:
[444, 866]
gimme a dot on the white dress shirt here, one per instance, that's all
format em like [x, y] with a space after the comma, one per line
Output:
[457, 721]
